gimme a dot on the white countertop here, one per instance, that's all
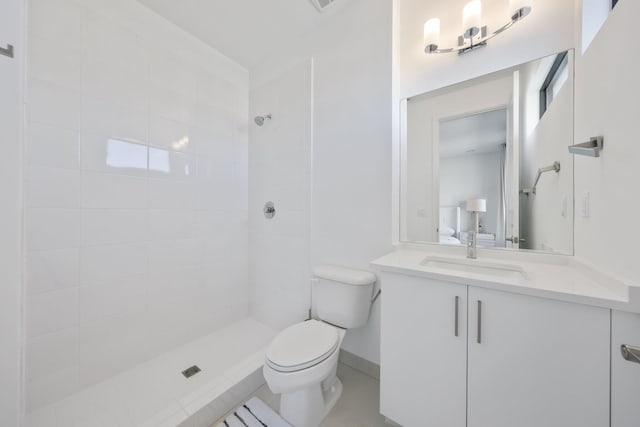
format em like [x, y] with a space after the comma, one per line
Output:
[559, 277]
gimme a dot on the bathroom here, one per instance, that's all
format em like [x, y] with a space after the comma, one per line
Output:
[185, 182]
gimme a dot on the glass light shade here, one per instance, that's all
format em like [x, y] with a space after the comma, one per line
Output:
[519, 8]
[476, 205]
[431, 34]
[472, 18]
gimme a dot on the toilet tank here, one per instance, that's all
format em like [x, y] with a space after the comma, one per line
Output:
[343, 295]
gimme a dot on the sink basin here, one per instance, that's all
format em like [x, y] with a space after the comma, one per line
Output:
[474, 266]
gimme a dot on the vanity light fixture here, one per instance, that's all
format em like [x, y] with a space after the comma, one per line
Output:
[474, 34]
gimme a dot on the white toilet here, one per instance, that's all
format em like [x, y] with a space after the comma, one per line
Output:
[302, 360]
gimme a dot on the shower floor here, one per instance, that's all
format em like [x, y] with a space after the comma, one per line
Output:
[156, 393]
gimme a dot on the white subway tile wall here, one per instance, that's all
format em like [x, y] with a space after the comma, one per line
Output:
[136, 178]
[280, 171]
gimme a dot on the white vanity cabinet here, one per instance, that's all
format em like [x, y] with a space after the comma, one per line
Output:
[523, 361]
[538, 362]
[423, 369]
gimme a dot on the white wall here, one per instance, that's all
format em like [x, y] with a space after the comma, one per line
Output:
[546, 218]
[607, 104]
[594, 14]
[350, 174]
[125, 261]
[11, 120]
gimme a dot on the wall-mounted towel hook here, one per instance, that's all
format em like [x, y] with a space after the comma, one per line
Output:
[7, 51]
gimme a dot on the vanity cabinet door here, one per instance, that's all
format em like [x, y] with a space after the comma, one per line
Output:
[625, 375]
[423, 360]
[535, 362]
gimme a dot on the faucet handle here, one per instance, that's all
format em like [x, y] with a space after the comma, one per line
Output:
[471, 245]
[515, 240]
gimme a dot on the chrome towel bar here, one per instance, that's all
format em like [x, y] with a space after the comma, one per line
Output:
[590, 148]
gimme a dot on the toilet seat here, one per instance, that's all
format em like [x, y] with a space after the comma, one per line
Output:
[302, 345]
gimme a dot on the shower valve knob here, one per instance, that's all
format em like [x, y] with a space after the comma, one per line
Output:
[269, 210]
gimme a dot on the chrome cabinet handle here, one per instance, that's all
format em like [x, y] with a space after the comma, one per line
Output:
[7, 51]
[457, 310]
[479, 322]
[630, 353]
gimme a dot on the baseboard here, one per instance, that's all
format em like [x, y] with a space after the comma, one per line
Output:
[358, 363]
[391, 423]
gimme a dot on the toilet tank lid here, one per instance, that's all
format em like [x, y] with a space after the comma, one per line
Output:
[346, 275]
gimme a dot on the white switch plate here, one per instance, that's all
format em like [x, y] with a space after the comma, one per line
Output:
[584, 206]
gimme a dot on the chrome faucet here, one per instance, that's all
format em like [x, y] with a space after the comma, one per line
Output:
[474, 206]
[472, 250]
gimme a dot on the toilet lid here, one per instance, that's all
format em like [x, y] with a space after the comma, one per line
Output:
[302, 345]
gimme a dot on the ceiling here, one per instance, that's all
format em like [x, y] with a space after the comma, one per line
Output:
[477, 133]
[243, 30]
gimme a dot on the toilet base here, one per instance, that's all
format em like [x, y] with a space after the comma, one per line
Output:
[309, 406]
[332, 395]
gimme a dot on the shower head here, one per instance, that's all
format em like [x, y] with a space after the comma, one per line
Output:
[260, 119]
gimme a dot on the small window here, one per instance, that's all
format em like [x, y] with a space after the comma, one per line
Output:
[558, 75]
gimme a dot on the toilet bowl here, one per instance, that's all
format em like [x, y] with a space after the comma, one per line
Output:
[301, 365]
[302, 360]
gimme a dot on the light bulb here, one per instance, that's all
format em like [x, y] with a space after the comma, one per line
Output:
[472, 18]
[431, 35]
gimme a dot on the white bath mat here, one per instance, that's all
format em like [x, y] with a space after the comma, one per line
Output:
[254, 413]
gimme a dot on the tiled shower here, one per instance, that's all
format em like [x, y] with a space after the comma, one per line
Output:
[136, 192]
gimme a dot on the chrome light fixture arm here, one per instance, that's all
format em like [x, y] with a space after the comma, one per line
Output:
[481, 39]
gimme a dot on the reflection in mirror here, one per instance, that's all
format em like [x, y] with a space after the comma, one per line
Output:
[490, 155]
[472, 167]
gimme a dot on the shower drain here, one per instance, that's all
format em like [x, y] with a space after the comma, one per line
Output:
[189, 372]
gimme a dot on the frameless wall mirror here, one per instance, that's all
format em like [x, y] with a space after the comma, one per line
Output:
[490, 155]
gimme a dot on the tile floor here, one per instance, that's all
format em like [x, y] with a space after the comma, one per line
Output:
[358, 406]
